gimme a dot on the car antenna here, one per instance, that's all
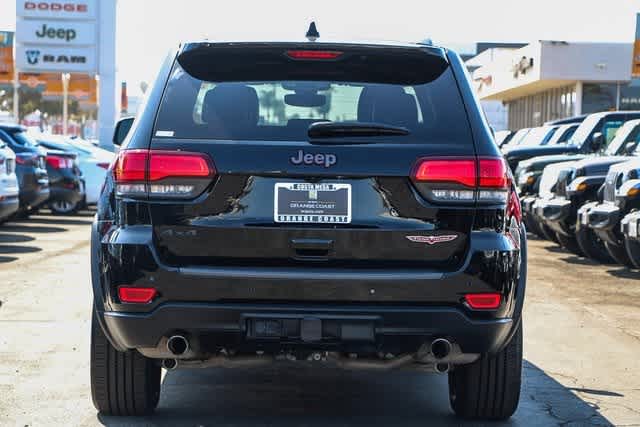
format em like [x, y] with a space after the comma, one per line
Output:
[312, 33]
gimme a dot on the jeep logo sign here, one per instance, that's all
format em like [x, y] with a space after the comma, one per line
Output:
[66, 34]
[63, 33]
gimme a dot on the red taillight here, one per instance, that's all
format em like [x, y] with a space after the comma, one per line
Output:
[313, 54]
[461, 171]
[142, 172]
[103, 165]
[136, 295]
[484, 179]
[489, 301]
[27, 159]
[493, 173]
[59, 162]
[178, 165]
[131, 166]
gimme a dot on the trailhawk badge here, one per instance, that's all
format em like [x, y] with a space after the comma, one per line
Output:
[432, 240]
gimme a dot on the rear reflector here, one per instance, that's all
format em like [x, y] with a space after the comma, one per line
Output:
[136, 295]
[483, 301]
[313, 54]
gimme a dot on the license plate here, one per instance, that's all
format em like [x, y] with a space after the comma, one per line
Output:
[312, 203]
[633, 228]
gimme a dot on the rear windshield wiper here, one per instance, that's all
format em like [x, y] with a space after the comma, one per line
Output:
[342, 129]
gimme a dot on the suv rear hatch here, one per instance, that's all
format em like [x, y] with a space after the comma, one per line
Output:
[391, 182]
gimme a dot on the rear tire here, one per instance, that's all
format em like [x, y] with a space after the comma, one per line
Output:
[548, 233]
[592, 246]
[633, 251]
[569, 243]
[489, 388]
[122, 383]
[60, 207]
[619, 254]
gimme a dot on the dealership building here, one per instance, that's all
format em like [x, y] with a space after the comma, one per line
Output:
[550, 80]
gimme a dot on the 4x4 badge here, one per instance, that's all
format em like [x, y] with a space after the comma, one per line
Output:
[432, 240]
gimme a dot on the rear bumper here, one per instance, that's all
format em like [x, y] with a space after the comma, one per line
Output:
[69, 195]
[400, 307]
[390, 328]
[34, 197]
[8, 206]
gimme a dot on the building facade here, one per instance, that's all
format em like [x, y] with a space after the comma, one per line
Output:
[549, 80]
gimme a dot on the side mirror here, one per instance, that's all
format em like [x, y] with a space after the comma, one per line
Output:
[597, 141]
[122, 129]
[630, 147]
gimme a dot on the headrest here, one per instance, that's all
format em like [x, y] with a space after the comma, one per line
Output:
[387, 104]
[230, 106]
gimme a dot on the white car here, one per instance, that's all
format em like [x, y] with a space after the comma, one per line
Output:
[93, 161]
[9, 190]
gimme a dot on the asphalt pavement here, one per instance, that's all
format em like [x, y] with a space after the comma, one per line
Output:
[582, 341]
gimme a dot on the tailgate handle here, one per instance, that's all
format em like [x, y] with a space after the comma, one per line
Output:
[311, 248]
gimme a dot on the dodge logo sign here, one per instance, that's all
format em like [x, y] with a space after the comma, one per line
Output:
[432, 240]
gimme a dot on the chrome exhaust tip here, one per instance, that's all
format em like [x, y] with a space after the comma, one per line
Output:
[169, 364]
[177, 345]
[440, 348]
[442, 368]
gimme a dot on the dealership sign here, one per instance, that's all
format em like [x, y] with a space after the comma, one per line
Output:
[69, 33]
[58, 36]
[84, 9]
[54, 58]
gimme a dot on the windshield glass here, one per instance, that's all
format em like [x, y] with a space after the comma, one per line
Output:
[501, 135]
[623, 135]
[563, 134]
[584, 130]
[517, 138]
[538, 136]
[283, 110]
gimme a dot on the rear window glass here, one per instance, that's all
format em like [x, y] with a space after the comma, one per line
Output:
[283, 110]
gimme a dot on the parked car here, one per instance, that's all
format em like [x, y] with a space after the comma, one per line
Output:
[33, 180]
[533, 217]
[503, 137]
[9, 202]
[563, 134]
[65, 181]
[92, 161]
[619, 199]
[576, 185]
[515, 140]
[629, 225]
[538, 136]
[377, 238]
[529, 177]
[596, 131]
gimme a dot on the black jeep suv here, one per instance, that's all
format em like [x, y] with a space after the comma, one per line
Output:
[319, 203]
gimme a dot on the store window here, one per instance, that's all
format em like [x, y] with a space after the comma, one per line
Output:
[598, 97]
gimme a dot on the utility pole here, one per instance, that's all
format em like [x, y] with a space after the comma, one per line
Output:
[107, 110]
[65, 102]
[16, 96]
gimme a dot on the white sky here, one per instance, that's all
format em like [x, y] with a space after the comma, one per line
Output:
[148, 28]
